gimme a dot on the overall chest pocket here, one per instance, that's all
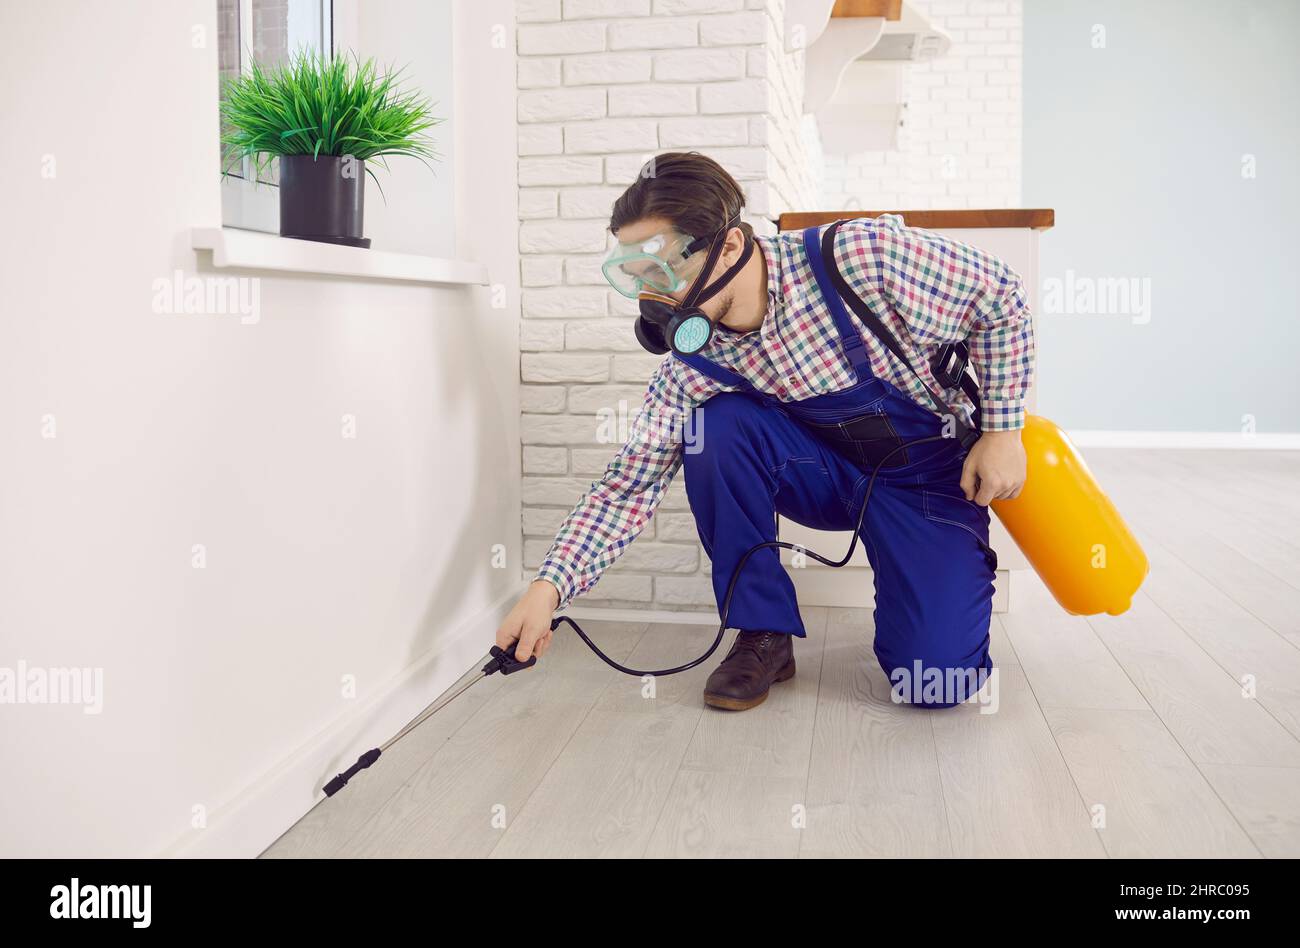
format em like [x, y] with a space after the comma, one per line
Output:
[865, 439]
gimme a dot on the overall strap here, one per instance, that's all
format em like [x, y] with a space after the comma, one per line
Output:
[715, 371]
[836, 290]
[851, 343]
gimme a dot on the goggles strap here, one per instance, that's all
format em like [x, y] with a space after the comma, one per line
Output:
[699, 292]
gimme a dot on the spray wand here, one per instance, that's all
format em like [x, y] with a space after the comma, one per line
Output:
[502, 660]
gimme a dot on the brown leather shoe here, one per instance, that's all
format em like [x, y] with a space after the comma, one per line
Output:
[756, 660]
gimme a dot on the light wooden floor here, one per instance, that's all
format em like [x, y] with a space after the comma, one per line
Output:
[1141, 721]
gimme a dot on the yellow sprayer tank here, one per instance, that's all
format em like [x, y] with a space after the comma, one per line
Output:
[1069, 530]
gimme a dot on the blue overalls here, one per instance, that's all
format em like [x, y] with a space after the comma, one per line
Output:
[756, 456]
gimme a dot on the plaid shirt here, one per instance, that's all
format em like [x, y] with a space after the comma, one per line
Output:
[929, 290]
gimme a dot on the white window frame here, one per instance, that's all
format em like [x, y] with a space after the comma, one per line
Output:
[246, 203]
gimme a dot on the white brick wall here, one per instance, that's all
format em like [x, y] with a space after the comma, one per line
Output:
[961, 138]
[603, 85]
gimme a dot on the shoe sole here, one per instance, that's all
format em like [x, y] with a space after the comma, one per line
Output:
[728, 703]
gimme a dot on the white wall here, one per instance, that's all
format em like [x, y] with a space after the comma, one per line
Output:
[325, 556]
[960, 142]
[1169, 153]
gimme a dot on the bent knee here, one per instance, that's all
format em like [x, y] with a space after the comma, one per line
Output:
[936, 681]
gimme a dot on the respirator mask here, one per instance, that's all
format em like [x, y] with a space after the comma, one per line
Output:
[649, 270]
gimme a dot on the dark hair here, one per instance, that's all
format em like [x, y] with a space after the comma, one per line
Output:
[689, 189]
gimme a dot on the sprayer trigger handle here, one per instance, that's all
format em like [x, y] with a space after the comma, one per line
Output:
[504, 661]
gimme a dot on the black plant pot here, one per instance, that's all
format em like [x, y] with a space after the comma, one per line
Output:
[323, 199]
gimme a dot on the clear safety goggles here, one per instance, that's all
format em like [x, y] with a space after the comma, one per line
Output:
[664, 263]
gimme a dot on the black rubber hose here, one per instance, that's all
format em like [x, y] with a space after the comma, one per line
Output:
[735, 575]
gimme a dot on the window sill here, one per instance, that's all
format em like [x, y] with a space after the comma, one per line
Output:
[252, 250]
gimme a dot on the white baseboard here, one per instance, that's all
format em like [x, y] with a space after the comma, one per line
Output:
[814, 586]
[642, 615]
[1227, 440]
[244, 826]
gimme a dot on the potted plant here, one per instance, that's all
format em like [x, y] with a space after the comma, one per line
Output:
[324, 118]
